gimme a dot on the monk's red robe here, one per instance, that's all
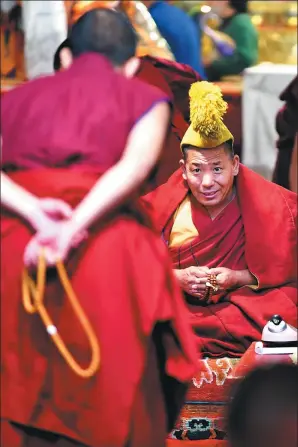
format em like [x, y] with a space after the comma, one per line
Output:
[121, 275]
[178, 77]
[258, 231]
[175, 80]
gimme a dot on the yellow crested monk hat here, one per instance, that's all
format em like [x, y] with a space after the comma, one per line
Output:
[207, 108]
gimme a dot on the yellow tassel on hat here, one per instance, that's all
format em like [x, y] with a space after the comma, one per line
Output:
[207, 109]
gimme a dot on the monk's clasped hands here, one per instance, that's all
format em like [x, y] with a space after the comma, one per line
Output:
[55, 234]
[226, 279]
[193, 280]
[207, 284]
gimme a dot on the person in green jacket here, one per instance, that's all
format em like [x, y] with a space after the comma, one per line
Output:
[237, 25]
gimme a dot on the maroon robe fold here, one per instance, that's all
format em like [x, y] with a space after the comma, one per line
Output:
[262, 236]
[220, 242]
[178, 77]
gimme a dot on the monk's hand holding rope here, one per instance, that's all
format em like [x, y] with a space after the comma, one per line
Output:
[56, 240]
[42, 251]
[193, 280]
[40, 213]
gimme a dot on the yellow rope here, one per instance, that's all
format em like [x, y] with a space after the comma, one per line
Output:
[33, 297]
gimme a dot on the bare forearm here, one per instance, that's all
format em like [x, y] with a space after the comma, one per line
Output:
[112, 189]
[17, 198]
[245, 278]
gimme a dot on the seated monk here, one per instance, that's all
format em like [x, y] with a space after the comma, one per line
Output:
[231, 234]
[114, 370]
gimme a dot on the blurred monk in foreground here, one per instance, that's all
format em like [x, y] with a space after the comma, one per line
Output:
[263, 409]
[231, 234]
[122, 340]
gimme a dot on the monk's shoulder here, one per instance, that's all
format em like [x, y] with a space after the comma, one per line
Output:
[16, 103]
[28, 87]
[142, 90]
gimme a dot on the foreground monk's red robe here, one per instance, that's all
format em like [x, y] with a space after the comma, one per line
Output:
[258, 231]
[174, 79]
[122, 276]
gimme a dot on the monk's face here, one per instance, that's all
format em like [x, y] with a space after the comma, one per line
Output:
[210, 174]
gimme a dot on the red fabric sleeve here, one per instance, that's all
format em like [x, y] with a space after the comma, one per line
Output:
[143, 98]
[179, 78]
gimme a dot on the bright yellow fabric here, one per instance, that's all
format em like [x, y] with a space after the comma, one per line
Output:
[183, 230]
[195, 139]
[255, 287]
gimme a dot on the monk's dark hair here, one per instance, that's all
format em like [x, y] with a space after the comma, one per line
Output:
[240, 6]
[228, 145]
[267, 394]
[57, 60]
[104, 31]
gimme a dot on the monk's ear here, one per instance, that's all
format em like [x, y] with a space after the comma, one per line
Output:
[183, 168]
[131, 67]
[66, 58]
[236, 162]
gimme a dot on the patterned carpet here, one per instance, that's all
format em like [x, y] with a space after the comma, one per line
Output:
[202, 419]
[201, 422]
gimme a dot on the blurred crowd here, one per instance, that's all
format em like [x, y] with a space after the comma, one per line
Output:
[263, 409]
[235, 42]
[234, 45]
